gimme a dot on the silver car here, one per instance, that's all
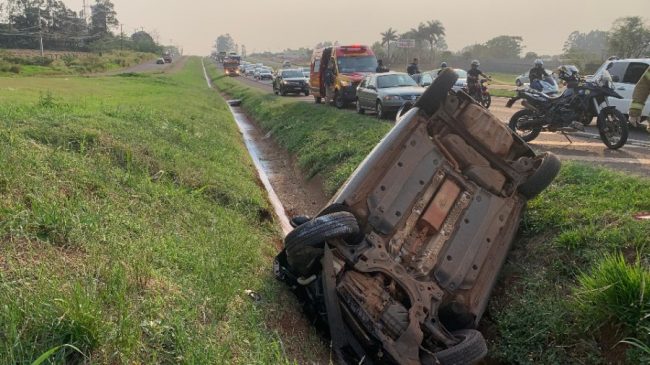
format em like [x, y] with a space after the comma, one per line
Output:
[386, 92]
[426, 78]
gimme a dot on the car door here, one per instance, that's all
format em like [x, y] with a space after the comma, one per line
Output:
[617, 71]
[371, 94]
[633, 74]
[361, 92]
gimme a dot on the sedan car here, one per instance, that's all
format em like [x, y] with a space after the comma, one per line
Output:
[290, 81]
[265, 74]
[426, 78]
[160, 61]
[400, 264]
[385, 93]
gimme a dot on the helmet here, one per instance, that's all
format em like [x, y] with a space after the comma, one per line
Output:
[476, 63]
[567, 72]
[539, 62]
[443, 65]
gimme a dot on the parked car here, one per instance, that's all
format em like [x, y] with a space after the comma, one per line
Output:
[625, 74]
[290, 81]
[250, 71]
[385, 93]
[160, 61]
[286, 64]
[426, 78]
[401, 262]
[265, 74]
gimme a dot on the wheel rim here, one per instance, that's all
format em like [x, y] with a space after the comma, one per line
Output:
[338, 100]
[612, 128]
[380, 111]
[524, 133]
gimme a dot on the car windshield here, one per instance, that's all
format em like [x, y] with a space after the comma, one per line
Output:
[462, 74]
[395, 80]
[292, 73]
[357, 64]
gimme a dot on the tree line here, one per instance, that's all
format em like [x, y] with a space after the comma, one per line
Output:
[629, 37]
[25, 22]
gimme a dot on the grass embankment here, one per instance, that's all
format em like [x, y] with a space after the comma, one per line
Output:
[71, 64]
[131, 223]
[577, 281]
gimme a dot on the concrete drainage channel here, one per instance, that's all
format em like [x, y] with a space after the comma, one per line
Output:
[285, 185]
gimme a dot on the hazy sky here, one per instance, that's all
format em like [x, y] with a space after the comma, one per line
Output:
[278, 24]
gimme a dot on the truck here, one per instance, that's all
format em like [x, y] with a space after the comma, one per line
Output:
[231, 66]
[348, 65]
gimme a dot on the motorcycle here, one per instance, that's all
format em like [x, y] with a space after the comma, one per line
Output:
[481, 93]
[578, 104]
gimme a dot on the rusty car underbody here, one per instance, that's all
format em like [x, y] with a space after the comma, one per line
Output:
[400, 265]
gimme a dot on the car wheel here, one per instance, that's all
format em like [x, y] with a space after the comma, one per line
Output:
[360, 110]
[518, 83]
[549, 167]
[379, 110]
[338, 100]
[436, 94]
[304, 245]
[470, 350]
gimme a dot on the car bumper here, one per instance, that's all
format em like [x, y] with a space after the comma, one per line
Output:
[295, 88]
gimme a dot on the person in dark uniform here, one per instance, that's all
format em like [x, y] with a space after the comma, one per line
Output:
[537, 74]
[380, 67]
[330, 79]
[443, 66]
[413, 67]
[473, 77]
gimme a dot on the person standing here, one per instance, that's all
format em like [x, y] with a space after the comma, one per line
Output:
[380, 67]
[413, 68]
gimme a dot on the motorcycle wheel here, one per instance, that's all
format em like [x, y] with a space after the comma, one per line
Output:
[613, 129]
[525, 134]
[486, 101]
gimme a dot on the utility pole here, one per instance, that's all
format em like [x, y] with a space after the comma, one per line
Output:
[40, 31]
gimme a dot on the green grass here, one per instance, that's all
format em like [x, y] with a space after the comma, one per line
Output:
[14, 66]
[503, 78]
[132, 222]
[574, 285]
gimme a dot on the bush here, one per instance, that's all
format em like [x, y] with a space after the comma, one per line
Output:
[41, 61]
[615, 292]
[15, 69]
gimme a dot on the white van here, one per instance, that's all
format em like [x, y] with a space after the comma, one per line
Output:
[625, 74]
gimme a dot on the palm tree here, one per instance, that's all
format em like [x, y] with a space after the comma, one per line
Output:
[433, 31]
[386, 37]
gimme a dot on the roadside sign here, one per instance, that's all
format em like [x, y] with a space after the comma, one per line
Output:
[405, 43]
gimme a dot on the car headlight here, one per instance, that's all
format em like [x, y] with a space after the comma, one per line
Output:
[345, 83]
[392, 97]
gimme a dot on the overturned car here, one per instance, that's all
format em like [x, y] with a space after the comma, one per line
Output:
[398, 268]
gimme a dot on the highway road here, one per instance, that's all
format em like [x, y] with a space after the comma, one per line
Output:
[586, 146]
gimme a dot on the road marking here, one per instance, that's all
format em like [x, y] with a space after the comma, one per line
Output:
[578, 144]
[635, 161]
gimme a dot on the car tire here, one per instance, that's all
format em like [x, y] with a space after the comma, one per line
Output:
[436, 94]
[360, 110]
[379, 110]
[518, 83]
[338, 100]
[304, 245]
[543, 176]
[471, 349]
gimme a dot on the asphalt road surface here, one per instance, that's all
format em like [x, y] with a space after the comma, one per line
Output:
[586, 146]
